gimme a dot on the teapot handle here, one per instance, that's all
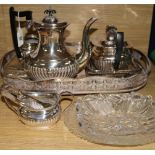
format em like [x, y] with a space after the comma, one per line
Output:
[119, 49]
[13, 15]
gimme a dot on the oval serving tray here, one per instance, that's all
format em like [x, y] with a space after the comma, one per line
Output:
[13, 74]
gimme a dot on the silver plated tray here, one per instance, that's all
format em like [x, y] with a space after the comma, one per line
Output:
[115, 119]
[13, 74]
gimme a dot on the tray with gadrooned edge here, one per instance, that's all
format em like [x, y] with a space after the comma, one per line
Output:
[13, 74]
[125, 119]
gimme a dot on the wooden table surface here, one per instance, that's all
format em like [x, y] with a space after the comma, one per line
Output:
[135, 24]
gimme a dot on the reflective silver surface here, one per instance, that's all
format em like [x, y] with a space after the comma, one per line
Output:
[38, 109]
[49, 57]
[104, 58]
[13, 74]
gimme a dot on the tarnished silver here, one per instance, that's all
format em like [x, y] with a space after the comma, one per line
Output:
[115, 58]
[46, 56]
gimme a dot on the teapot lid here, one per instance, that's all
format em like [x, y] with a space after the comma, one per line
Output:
[50, 21]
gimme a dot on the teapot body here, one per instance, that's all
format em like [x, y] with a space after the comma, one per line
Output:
[50, 58]
[105, 61]
[44, 53]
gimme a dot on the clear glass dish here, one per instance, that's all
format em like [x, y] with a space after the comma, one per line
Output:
[114, 119]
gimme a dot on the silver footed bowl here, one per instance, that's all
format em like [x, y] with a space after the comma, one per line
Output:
[115, 119]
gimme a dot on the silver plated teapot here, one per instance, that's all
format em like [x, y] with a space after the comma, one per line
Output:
[43, 53]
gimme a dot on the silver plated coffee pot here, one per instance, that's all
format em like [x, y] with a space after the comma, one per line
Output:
[44, 54]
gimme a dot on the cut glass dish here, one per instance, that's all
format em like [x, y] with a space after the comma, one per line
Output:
[114, 119]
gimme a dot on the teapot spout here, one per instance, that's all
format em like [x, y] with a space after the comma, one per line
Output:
[86, 50]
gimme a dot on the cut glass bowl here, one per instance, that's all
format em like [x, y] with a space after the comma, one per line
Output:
[115, 119]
